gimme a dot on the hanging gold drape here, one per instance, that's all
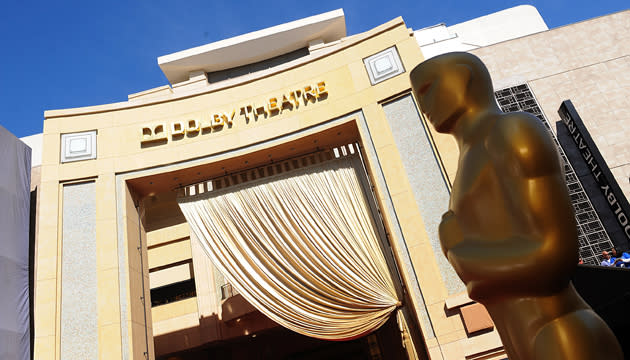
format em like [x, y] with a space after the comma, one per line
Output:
[301, 247]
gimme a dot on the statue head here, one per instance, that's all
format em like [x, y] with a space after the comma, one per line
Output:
[451, 85]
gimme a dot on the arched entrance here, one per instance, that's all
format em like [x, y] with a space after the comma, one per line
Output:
[208, 320]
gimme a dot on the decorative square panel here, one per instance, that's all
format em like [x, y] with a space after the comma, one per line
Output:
[383, 65]
[476, 318]
[78, 146]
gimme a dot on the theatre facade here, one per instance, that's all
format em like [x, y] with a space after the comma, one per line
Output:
[281, 114]
[280, 198]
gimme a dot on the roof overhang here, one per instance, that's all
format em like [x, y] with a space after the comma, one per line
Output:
[253, 47]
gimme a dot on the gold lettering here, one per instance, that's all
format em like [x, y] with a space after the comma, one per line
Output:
[152, 133]
[295, 97]
[217, 121]
[309, 93]
[259, 110]
[228, 118]
[158, 132]
[177, 128]
[210, 122]
[146, 134]
[206, 125]
[272, 105]
[245, 110]
[286, 103]
[193, 126]
[321, 89]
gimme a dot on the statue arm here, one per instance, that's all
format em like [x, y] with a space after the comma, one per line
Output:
[532, 180]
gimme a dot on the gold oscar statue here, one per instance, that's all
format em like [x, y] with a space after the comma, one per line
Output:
[510, 232]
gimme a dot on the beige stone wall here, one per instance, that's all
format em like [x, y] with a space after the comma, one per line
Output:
[601, 95]
[588, 63]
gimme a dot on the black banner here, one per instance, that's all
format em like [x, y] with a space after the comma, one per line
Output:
[597, 165]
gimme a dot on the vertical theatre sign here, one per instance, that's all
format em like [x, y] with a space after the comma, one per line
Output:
[596, 164]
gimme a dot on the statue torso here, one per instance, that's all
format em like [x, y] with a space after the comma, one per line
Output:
[479, 195]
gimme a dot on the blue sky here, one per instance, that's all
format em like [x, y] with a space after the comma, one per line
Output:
[64, 54]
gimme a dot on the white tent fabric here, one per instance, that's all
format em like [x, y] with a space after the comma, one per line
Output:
[15, 159]
[301, 247]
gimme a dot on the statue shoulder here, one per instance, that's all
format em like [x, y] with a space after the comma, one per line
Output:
[524, 140]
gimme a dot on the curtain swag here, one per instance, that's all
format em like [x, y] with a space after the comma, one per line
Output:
[301, 247]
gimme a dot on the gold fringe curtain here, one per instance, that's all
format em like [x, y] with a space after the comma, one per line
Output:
[300, 247]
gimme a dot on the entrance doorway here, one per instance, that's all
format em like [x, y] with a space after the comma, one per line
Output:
[193, 324]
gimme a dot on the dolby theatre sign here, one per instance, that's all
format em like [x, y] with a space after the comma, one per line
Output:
[606, 182]
[288, 101]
